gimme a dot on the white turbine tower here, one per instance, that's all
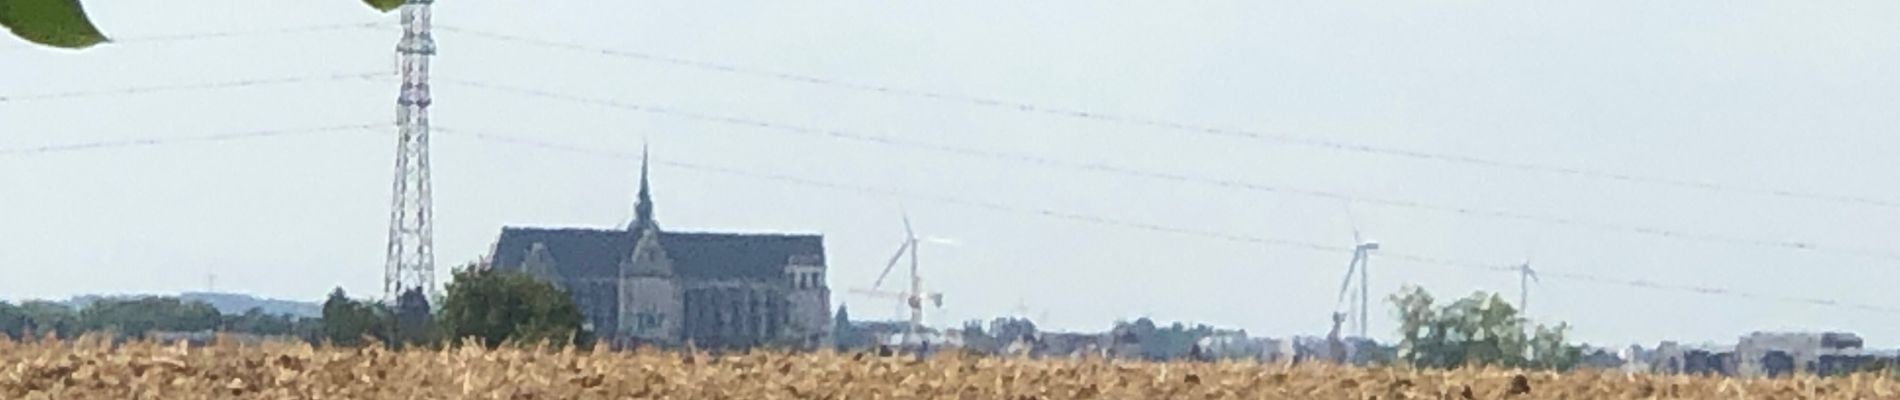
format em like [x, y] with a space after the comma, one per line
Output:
[1361, 255]
[1525, 275]
[914, 297]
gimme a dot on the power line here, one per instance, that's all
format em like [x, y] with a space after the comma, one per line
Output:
[187, 37]
[1173, 177]
[142, 142]
[189, 87]
[1184, 126]
[1135, 225]
[198, 36]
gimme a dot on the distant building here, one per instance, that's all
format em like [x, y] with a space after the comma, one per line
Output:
[1600, 358]
[645, 285]
[1082, 345]
[1763, 354]
[1233, 345]
[1673, 358]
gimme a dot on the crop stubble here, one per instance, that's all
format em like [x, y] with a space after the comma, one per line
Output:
[94, 369]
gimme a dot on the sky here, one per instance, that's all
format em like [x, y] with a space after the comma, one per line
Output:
[1755, 94]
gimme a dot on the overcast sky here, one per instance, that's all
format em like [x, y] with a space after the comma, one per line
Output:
[1778, 95]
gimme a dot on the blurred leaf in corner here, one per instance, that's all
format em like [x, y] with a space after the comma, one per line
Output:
[379, 5]
[56, 23]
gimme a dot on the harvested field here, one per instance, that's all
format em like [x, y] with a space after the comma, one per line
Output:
[94, 370]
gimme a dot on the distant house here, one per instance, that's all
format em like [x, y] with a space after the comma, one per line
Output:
[1673, 358]
[1076, 345]
[1600, 358]
[1764, 354]
[1233, 345]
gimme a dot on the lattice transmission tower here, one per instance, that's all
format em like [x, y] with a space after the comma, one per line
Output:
[411, 259]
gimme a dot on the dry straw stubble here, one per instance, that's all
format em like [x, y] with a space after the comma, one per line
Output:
[94, 369]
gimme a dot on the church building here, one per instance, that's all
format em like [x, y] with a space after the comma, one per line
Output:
[643, 285]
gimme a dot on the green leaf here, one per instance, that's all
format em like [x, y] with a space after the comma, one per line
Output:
[57, 23]
[384, 5]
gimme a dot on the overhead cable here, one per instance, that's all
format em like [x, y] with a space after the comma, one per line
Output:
[187, 87]
[1105, 117]
[1676, 234]
[142, 142]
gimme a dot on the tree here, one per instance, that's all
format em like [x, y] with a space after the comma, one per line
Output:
[1156, 343]
[12, 320]
[1478, 330]
[139, 316]
[257, 322]
[38, 318]
[1009, 330]
[63, 23]
[412, 319]
[347, 322]
[496, 307]
[842, 336]
[1549, 351]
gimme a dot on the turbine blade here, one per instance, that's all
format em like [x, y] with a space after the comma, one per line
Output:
[908, 233]
[1347, 283]
[891, 264]
[1356, 240]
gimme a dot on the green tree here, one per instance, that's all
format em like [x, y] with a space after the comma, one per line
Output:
[496, 307]
[139, 316]
[1550, 351]
[38, 318]
[1479, 330]
[347, 322]
[12, 320]
[843, 337]
[256, 322]
[413, 320]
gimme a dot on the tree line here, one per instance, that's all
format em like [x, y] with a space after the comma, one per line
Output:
[491, 308]
[488, 307]
[136, 317]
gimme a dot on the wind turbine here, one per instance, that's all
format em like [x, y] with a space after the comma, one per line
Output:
[915, 297]
[1361, 255]
[1525, 276]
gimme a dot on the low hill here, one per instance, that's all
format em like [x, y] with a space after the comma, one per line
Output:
[228, 303]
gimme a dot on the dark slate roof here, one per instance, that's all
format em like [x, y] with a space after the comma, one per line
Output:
[596, 253]
[730, 255]
[578, 253]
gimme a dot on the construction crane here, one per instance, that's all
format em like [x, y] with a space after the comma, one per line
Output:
[915, 297]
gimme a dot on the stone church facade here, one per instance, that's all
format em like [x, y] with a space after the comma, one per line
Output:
[643, 285]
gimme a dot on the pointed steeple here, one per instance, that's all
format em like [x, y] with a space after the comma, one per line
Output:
[643, 210]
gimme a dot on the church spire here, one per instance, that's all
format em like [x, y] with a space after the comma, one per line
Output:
[643, 210]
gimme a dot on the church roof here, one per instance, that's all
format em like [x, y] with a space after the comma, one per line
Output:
[597, 253]
[577, 253]
[730, 255]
